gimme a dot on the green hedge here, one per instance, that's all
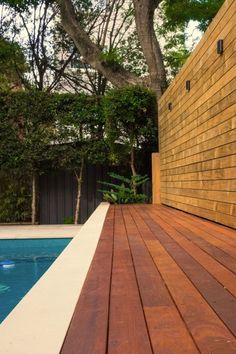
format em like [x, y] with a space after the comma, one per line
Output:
[34, 124]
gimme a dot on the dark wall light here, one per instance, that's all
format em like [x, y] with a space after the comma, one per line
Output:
[170, 106]
[188, 85]
[220, 46]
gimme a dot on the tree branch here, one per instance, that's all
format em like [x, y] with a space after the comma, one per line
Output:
[116, 74]
[144, 13]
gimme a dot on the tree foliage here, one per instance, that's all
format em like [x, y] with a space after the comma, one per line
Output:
[130, 114]
[127, 41]
[180, 12]
[14, 198]
[12, 65]
[25, 130]
[40, 131]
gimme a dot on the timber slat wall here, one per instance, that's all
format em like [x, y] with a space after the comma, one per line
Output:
[198, 136]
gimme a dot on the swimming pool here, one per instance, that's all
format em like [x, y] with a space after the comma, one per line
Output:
[30, 258]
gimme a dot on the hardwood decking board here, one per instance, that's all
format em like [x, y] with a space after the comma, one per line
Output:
[223, 303]
[203, 229]
[220, 300]
[168, 332]
[87, 332]
[127, 326]
[157, 284]
[195, 234]
[208, 331]
[222, 274]
[211, 226]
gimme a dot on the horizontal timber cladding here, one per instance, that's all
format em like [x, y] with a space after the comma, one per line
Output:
[198, 127]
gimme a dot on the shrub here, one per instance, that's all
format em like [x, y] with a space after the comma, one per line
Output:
[125, 192]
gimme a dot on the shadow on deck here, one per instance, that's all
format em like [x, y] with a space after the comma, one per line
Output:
[161, 281]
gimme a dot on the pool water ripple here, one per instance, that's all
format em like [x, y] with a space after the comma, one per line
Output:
[30, 259]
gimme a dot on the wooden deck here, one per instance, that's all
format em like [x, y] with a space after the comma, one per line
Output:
[161, 281]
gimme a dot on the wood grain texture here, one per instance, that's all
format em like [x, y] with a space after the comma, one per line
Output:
[156, 183]
[199, 317]
[161, 282]
[198, 137]
[87, 332]
[127, 326]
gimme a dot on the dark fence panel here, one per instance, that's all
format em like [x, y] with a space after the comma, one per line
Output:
[58, 194]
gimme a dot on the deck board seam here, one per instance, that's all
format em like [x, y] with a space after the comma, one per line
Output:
[228, 231]
[166, 286]
[208, 255]
[201, 229]
[140, 296]
[109, 300]
[210, 244]
[196, 288]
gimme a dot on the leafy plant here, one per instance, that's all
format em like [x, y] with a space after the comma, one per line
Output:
[125, 192]
[14, 203]
[111, 57]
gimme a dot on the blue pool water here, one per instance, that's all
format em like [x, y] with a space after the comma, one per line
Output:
[30, 258]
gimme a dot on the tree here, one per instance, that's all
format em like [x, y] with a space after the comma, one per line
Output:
[12, 65]
[55, 63]
[34, 27]
[180, 12]
[130, 114]
[66, 131]
[117, 74]
[107, 26]
[79, 137]
[25, 137]
[117, 43]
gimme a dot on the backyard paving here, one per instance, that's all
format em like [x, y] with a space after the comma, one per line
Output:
[38, 231]
[161, 281]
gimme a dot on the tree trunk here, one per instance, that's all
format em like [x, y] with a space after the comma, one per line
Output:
[144, 13]
[78, 196]
[34, 200]
[118, 76]
[133, 169]
[132, 162]
[90, 52]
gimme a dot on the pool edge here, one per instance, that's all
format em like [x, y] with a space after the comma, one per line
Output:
[40, 321]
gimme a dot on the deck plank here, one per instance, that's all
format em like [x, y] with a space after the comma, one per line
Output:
[202, 225]
[223, 303]
[208, 331]
[192, 227]
[222, 274]
[161, 281]
[193, 234]
[127, 326]
[87, 332]
[168, 332]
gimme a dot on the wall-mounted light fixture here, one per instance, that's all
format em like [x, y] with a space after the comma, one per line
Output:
[170, 106]
[188, 85]
[220, 46]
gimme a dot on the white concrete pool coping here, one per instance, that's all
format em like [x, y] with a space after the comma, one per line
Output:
[39, 323]
[38, 231]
